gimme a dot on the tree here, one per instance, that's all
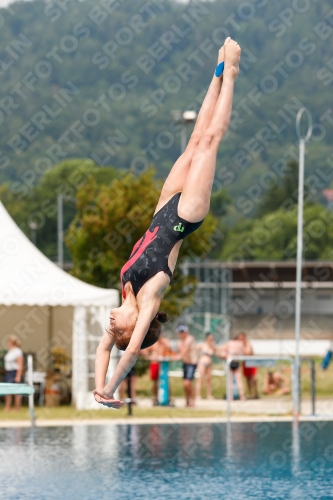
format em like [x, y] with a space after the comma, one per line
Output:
[219, 202]
[39, 205]
[274, 236]
[111, 219]
[284, 194]
[91, 71]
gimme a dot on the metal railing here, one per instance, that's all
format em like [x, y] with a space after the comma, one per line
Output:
[259, 359]
[313, 384]
[22, 390]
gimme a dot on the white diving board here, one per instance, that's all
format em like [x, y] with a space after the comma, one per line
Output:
[16, 389]
[7, 389]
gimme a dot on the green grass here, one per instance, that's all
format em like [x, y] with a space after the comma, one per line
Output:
[68, 412]
[324, 379]
[324, 382]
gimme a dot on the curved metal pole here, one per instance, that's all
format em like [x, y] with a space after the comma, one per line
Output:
[313, 384]
[183, 138]
[60, 226]
[299, 272]
[302, 141]
[228, 361]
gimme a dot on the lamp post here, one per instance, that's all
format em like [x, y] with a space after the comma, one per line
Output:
[60, 224]
[60, 232]
[33, 226]
[183, 118]
[302, 141]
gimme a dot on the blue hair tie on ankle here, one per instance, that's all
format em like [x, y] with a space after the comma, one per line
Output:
[219, 69]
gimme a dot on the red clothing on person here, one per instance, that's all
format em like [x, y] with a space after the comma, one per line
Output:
[154, 369]
[249, 372]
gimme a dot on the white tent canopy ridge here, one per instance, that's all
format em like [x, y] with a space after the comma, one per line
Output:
[30, 278]
[30, 282]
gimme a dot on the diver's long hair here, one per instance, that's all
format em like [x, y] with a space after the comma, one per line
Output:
[151, 337]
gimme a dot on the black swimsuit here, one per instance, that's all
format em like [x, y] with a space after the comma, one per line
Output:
[151, 253]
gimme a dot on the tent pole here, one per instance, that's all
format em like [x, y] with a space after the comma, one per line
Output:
[50, 338]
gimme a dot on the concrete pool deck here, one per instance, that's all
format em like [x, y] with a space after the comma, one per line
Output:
[262, 410]
[265, 406]
[6, 424]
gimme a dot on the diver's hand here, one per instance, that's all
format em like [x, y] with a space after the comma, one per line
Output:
[108, 401]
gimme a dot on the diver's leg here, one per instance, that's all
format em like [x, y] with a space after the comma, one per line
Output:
[177, 176]
[195, 200]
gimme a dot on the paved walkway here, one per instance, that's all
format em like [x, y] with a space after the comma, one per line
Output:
[154, 421]
[267, 406]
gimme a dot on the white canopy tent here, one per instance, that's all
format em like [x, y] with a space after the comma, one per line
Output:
[46, 307]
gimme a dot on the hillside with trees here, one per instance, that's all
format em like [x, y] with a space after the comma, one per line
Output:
[91, 81]
[95, 83]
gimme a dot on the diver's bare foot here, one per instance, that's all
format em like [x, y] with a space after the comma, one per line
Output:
[232, 53]
[221, 56]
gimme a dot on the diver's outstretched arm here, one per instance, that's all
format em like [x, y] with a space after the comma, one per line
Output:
[101, 367]
[102, 359]
[131, 354]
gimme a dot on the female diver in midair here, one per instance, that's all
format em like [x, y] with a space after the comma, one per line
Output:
[182, 206]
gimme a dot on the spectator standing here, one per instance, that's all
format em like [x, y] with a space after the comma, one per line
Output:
[14, 370]
[207, 349]
[188, 353]
[234, 347]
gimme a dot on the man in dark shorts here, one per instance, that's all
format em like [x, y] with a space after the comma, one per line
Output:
[234, 347]
[188, 353]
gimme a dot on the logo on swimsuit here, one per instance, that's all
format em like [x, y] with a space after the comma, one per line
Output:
[179, 228]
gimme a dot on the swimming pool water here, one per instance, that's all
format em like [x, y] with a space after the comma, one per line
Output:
[187, 461]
